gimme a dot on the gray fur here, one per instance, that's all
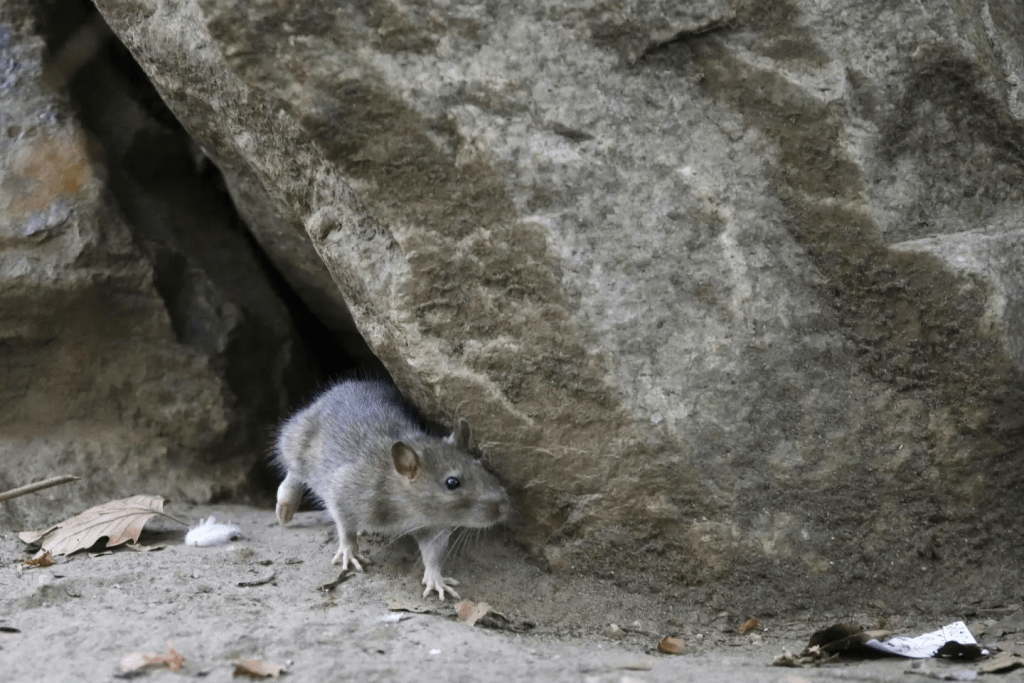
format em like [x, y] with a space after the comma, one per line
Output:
[341, 448]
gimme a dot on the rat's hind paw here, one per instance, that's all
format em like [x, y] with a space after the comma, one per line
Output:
[435, 582]
[346, 555]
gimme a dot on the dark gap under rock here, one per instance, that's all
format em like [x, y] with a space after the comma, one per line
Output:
[225, 298]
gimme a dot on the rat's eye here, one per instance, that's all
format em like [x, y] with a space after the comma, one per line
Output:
[452, 483]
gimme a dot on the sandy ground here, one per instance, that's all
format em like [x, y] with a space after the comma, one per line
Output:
[259, 597]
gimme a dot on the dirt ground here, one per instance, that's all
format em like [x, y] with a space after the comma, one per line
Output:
[259, 597]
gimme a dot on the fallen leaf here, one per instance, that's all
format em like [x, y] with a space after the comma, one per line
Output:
[172, 659]
[44, 558]
[671, 646]
[748, 625]
[843, 637]
[471, 612]
[119, 521]
[31, 537]
[255, 668]
[834, 634]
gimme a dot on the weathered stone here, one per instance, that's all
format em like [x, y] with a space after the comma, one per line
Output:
[162, 380]
[727, 292]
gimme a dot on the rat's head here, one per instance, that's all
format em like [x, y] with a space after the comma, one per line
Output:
[448, 485]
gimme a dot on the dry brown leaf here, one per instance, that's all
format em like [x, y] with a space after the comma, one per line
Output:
[671, 646]
[748, 625]
[44, 558]
[254, 668]
[119, 521]
[471, 612]
[172, 659]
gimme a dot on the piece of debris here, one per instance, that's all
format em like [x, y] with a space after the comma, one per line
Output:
[614, 631]
[394, 617]
[119, 521]
[37, 486]
[671, 646]
[172, 659]
[403, 605]
[44, 558]
[748, 626]
[473, 613]
[637, 628]
[255, 668]
[1008, 624]
[342, 577]
[960, 675]
[258, 582]
[929, 644]
[209, 533]
[953, 640]
[9, 629]
[966, 651]
[139, 548]
[1002, 663]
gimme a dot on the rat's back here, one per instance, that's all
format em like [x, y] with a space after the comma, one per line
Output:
[347, 424]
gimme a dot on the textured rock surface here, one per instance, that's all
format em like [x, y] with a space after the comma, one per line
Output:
[139, 379]
[729, 293]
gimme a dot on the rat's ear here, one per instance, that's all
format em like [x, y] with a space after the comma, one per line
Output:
[463, 434]
[407, 461]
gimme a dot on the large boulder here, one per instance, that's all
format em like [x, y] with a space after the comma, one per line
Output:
[142, 345]
[730, 292]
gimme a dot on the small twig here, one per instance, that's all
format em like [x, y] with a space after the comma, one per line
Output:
[257, 582]
[345, 575]
[172, 518]
[38, 486]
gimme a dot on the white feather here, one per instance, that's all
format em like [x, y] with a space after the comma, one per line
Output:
[210, 533]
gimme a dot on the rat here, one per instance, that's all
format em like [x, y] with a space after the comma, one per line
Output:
[360, 449]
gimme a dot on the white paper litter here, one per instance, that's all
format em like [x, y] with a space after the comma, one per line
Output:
[926, 645]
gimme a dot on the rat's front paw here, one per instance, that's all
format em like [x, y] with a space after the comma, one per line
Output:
[433, 580]
[289, 495]
[286, 510]
[347, 555]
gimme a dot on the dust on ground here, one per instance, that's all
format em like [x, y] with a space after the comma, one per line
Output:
[259, 597]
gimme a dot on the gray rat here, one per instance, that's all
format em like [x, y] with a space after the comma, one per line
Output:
[360, 449]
